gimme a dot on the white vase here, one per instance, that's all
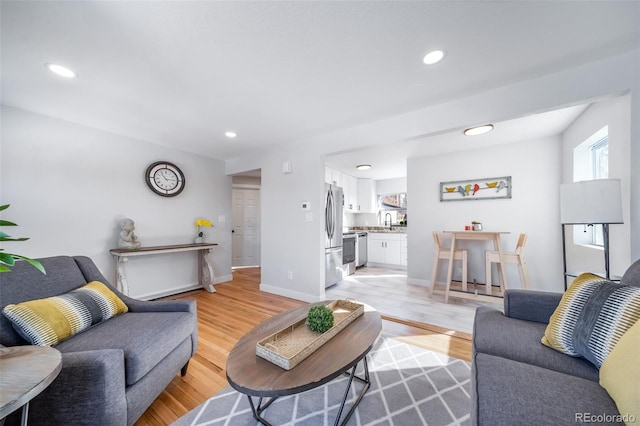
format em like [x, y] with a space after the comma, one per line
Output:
[198, 240]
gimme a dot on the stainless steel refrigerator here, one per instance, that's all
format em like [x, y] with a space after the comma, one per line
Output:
[333, 234]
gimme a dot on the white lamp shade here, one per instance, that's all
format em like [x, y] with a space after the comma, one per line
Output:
[591, 201]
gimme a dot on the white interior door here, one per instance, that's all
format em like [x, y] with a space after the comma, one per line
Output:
[246, 227]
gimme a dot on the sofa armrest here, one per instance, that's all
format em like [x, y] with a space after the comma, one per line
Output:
[536, 306]
[89, 388]
[184, 305]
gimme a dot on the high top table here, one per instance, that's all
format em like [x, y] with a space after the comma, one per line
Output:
[256, 377]
[475, 236]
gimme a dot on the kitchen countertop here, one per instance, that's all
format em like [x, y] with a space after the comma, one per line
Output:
[380, 229]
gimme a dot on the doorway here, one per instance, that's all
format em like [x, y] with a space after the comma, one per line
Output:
[246, 226]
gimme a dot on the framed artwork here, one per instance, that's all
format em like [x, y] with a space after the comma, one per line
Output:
[476, 189]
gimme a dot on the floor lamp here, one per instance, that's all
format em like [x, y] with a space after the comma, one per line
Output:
[590, 202]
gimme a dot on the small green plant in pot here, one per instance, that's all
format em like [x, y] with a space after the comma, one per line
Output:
[8, 259]
[320, 319]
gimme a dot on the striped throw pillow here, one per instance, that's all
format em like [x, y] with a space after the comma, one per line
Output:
[591, 318]
[47, 322]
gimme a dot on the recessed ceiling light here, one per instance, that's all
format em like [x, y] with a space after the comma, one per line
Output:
[479, 130]
[230, 134]
[433, 57]
[363, 166]
[61, 71]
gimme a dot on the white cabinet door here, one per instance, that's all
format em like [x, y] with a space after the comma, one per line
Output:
[366, 196]
[403, 250]
[333, 176]
[393, 252]
[376, 250]
[351, 194]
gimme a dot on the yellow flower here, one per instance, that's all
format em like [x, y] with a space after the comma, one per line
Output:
[203, 222]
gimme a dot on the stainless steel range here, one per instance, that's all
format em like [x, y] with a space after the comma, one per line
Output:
[349, 253]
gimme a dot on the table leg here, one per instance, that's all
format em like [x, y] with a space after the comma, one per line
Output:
[259, 408]
[205, 271]
[25, 414]
[367, 384]
[450, 268]
[121, 276]
[501, 269]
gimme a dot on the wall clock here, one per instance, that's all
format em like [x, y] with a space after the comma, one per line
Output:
[165, 178]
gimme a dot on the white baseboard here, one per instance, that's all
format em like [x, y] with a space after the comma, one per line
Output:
[419, 281]
[289, 293]
[181, 289]
[222, 279]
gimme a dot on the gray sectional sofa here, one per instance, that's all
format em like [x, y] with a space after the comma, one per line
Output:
[517, 380]
[113, 371]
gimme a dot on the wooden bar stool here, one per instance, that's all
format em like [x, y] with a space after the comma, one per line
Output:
[516, 257]
[444, 253]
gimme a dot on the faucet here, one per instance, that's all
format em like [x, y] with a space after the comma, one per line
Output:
[385, 220]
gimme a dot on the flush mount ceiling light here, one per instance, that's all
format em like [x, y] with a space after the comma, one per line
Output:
[230, 134]
[433, 57]
[363, 166]
[61, 71]
[479, 130]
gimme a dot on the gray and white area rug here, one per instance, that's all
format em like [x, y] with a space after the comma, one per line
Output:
[410, 386]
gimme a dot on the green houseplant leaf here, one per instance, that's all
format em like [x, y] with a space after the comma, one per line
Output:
[8, 259]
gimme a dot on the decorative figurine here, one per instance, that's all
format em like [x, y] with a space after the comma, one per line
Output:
[127, 238]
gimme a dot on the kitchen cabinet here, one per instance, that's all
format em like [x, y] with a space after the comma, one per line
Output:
[333, 176]
[386, 248]
[350, 193]
[366, 196]
[403, 249]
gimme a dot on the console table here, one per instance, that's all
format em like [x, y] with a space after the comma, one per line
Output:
[205, 270]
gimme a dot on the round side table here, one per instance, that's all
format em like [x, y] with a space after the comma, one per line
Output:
[26, 371]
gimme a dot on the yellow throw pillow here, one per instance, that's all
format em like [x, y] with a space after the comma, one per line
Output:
[47, 322]
[620, 374]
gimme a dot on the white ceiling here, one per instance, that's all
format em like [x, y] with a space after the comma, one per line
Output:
[181, 73]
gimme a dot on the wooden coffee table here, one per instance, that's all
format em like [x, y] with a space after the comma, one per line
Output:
[257, 377]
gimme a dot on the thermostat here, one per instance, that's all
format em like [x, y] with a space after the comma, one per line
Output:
[306, 206]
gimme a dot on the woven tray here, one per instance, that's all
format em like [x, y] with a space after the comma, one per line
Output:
[289, 346]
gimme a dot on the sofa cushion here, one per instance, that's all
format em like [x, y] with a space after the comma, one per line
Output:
[146, 338]
[620, 373]
[496, 334]
[591, 317]
[632, 275]
[46, 322]
[507, 392]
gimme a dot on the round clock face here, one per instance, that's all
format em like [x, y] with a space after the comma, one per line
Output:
[165, 178]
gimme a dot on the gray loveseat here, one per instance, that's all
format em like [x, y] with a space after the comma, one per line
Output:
[113, 371]
[517, 380]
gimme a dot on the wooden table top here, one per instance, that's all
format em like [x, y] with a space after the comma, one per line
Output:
[26, 371]
[252, 375]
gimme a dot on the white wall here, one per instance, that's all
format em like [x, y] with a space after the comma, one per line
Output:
[292, 242]
[593, 81]
[69, 185]
[391, 186]
[533, 209]
[616, 114]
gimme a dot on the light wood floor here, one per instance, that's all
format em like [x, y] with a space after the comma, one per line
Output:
[237, 306]
[387, 291]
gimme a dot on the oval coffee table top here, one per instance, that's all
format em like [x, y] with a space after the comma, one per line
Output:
[252, 375]
[26, 371]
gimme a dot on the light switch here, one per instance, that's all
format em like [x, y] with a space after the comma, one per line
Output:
[308, 217]
[222, 218]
